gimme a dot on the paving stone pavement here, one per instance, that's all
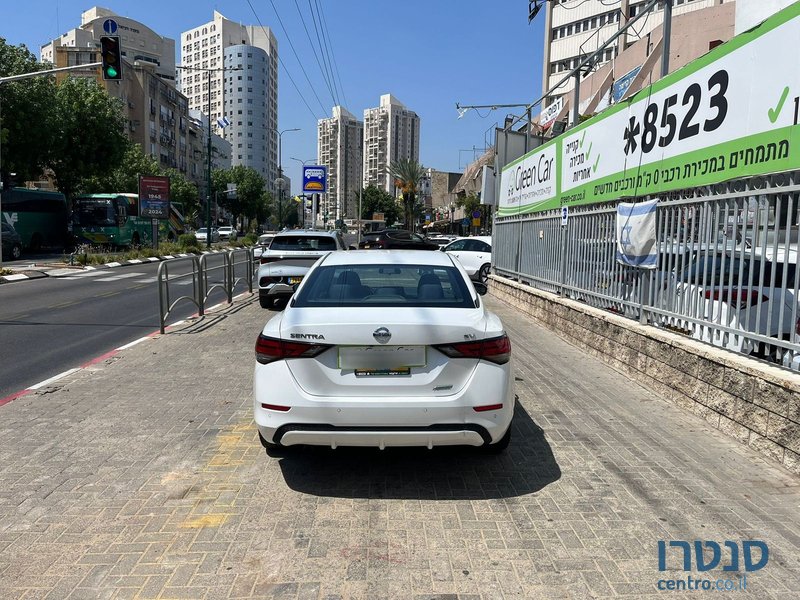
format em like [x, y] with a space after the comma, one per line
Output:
[142, 477]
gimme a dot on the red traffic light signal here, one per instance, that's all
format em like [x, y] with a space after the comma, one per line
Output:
[112, 57]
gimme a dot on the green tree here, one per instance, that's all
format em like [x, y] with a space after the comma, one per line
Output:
[247, 202]
[374, 199]
[25, 121]
[407, 174]
[471, 203]
[87, 133]
[184, 191]
[125, 176]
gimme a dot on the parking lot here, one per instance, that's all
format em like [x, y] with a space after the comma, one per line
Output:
[142, 477]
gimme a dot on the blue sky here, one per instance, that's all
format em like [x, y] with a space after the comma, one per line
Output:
[429, 54]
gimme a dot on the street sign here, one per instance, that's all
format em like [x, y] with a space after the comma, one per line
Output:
[154, 197]
[110, 26]
[465, 222]
[476, 222]
[564, 215]
[315, 179]
[476, 214]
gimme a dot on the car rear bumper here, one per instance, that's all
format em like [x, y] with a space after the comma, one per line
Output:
[380, 422]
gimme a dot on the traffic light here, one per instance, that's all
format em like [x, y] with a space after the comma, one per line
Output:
[112, 57]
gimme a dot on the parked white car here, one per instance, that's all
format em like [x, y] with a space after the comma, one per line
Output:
[747, 295]
[201, 235]
[385, 348]
[226, 232]
[287, 260]
[475, 253]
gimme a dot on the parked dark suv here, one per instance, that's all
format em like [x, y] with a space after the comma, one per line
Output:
[396, 239]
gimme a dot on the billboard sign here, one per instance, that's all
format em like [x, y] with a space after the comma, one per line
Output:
[154, 197]
[731, 113]
[315, 179]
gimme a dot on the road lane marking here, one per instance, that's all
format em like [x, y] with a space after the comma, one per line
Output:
[133, 343]
[41, 384]
[120, 276]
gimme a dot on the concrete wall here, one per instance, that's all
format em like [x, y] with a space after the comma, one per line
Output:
[755, 403]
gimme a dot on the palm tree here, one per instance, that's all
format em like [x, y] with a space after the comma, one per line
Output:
[407, 174]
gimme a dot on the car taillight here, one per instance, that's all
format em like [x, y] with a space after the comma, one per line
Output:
[496, 350]
[737, 298]
[271, 349]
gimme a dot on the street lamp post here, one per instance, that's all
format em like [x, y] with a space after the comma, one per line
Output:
[208, 162]
[280, 173]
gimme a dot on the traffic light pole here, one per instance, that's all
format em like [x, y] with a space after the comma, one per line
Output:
[18, 78]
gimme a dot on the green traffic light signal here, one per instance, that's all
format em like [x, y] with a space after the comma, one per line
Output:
[111, 57]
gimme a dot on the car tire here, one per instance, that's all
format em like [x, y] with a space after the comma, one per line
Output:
[268, 303]
[16, 252]
[483, 273]
[500, 445]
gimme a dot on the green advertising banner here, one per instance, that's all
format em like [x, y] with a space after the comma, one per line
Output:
[731, 113]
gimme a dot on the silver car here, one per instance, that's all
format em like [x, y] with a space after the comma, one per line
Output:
[287, 260]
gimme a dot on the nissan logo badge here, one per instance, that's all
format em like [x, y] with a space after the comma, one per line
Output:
[382, 335]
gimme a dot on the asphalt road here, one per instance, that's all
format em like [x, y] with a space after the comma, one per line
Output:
[50, 325]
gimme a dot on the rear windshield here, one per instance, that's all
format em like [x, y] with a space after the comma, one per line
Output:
[385, 285]
[302, 242]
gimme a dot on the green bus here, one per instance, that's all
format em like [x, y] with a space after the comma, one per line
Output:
[113, 220]
[41, 218]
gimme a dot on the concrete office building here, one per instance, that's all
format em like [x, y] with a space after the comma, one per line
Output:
[206, 47]
[576, 28]
[391, 132]
[340, 142]
[139, 43]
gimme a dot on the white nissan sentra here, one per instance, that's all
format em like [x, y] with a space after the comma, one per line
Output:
[385, 348]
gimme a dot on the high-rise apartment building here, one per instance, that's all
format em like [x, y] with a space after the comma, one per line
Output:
[575, 29]
[246, 97]
[391, 132]
[340, 142]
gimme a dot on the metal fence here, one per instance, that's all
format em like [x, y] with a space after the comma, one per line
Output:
[236, 266]
[727, 270]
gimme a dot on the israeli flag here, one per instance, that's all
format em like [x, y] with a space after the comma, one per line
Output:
[223, 122]
[636, 234]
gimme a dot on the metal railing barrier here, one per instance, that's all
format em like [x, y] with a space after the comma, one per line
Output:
[165, 304]
[727, 265]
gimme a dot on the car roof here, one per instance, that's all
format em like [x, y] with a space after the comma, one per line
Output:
[396, 257]
[483, 238]
[307, 233]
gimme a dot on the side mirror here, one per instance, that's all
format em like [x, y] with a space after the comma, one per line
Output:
[351, 247]
[480, 287]
[443, 248]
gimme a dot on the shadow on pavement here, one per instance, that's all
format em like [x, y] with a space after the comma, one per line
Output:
[446, 473]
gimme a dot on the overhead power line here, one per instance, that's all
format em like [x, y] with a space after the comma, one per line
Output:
[318, 30]
[314, 49]
[288, 74]
[300, 62]
[329, 41]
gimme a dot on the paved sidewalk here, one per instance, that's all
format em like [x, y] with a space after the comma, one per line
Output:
[142, 477]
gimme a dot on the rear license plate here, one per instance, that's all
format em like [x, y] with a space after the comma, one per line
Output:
[383, 372]
[293, 280]
[381, 358]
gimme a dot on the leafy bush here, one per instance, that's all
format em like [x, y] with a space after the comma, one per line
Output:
[250, 239]
[188, 241]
